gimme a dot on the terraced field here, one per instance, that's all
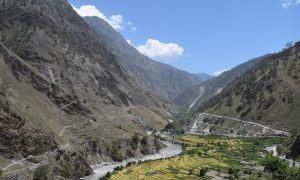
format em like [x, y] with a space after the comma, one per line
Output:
[217, 155]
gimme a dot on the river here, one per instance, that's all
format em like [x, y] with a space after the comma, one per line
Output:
[101, 169]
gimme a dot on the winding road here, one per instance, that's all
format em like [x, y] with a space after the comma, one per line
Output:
[194, 128]
[24, 161]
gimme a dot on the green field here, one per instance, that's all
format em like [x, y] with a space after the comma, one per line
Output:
[219, 156]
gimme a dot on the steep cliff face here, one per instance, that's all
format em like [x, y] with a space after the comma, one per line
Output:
[49, 37]
[268, 94]
[158, 78]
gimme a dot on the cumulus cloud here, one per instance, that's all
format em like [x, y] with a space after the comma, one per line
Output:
[164, 52]
[287, 3]
[217, 73]
[116, 21]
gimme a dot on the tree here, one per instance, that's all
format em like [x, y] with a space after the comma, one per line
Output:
[144, 140]
[157, 144]
[135, 138]
[202, 172]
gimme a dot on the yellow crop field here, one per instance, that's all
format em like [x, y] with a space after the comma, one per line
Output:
[199, 152]
[174, 168]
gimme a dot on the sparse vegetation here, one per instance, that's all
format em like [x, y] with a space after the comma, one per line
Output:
[41, 173]
[66, 172]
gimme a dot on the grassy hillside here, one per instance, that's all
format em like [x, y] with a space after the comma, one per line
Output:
[268, 94]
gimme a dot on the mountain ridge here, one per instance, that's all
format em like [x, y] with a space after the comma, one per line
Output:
[267, 93]
[161, 79]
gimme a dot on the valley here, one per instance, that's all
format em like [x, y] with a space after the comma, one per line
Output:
[82, 98]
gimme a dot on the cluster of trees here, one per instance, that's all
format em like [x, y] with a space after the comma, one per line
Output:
[279, 168]
[145, 146]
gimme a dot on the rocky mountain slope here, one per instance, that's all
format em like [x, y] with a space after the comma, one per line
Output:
[268, 94]
[196, 96]
[161, 79]
[203, 76]
[65, 94]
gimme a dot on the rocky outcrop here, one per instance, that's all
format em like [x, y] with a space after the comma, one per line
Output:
[119, 150]
[19, 139]
[294, 148]
[70, 165]
[47, 41]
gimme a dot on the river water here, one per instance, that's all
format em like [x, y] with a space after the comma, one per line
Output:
[101, 169]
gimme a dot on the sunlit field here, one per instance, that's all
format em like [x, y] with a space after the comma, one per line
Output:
[217, 155]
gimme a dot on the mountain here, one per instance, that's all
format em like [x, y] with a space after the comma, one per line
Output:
[161, 79]
[203, 77]
[268, 94]
[196, 96]
[68, 99]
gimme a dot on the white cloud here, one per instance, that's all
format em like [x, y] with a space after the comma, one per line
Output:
[133, 28]
[287, 3]
[164, 52]
[116, 21]
[217, 73]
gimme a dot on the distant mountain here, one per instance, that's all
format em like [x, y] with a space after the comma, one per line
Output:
[268, 94]
[196, 96]
[203, 77]
[161, 79]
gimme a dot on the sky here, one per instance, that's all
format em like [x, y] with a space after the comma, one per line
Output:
[200, 36]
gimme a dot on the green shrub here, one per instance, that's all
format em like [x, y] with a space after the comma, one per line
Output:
[41, 173]
[202, 172]
[117, 156]
[273, 164]
[230, 171]
[66, 172]
[145, 149]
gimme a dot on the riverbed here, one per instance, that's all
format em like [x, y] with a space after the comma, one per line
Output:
[101, 169]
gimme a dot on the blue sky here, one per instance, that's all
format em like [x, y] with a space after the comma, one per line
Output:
[201, 35]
